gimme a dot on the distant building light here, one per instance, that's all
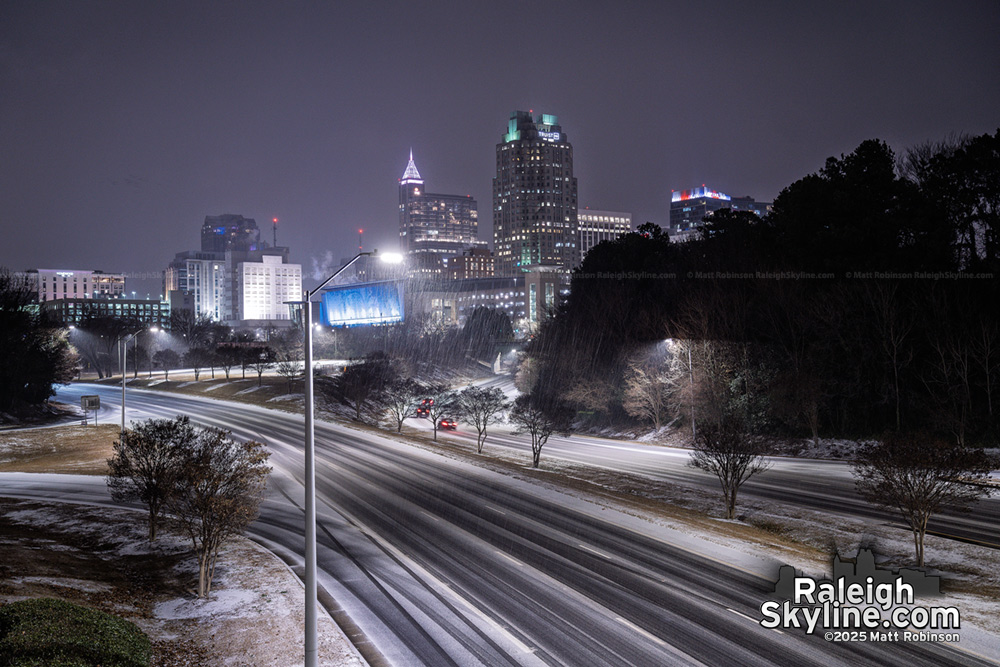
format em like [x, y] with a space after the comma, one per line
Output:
[698, 193]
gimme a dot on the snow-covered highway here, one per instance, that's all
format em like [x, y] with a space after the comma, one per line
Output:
[438, 562]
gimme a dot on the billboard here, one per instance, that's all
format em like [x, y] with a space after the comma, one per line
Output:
[363, 303]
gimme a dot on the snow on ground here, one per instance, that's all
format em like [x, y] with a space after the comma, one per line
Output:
[210, 387]
[253, 617]
[249, 390]
[287, 397]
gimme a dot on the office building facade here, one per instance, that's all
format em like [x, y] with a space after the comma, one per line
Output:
[198, 280]
[263, 287]
[596, 226]
[49, 284]
[688, 208]
[534, 198]
[236, 278]
[76, 311]
[229, 231]
[433, 227]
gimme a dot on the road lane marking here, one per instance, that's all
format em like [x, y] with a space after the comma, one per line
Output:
[504, 631]
[752, 620]
[647, 635]
[511, 559]
[594, 551]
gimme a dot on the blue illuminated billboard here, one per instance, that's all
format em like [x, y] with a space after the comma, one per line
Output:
[365, 303]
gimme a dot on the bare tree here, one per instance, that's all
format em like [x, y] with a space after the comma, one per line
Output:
[729, 451]
[399, 400]
[218, 494]
[919, 475]
[363, 382]
[290, 367]
[892, 324]
[651, 381]
[482, 407]
[166, 359]
[986, 352]
[260, 361]
[145, 465]
[529, 417]
[197, 358]
[443, 402]
[227, 356]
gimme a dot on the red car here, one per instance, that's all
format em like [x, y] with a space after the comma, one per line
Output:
[447, 424]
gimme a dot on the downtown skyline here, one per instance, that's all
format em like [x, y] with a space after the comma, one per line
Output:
[124, 125]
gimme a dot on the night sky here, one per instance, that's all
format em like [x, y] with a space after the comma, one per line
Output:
[122, 125]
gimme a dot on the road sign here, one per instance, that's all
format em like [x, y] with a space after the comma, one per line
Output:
[91, 402]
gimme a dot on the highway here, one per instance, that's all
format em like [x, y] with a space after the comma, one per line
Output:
[438, 562]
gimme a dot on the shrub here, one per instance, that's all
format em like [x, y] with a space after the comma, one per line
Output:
[53, 633]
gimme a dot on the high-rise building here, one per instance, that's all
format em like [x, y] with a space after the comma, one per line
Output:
[198, 279]
[433, 227]
[534, 197]
[596, 226]
[229, 231]
[236, 277]
[688, 208]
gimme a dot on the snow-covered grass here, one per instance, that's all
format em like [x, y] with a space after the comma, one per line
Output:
[253, 617]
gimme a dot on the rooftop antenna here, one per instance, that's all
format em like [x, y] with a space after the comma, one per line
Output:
[274, 228]
[360, 245]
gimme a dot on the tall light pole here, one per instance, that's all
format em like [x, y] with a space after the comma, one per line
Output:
[124, 354]
[311, 656]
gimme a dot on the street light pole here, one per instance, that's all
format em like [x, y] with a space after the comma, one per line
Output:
[311, 636]
[124, 353]
[123, 348]
[311, 647]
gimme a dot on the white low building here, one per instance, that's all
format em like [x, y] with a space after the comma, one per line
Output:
[264, 287]
[49, 284]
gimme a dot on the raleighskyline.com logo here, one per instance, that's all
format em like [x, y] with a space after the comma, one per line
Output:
[861, 603]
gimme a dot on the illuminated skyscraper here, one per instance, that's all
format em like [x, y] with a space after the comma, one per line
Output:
[534, 198]
[433, 227]
[688, 208]
[229, 231]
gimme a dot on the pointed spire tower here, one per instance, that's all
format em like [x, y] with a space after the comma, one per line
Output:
[432, 227]
[411, 188]
[411, 175]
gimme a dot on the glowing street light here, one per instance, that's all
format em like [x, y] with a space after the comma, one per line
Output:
[134, 337]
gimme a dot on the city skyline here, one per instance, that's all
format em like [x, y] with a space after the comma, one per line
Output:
[124, 124]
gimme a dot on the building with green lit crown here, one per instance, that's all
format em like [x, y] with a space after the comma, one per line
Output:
[534, 198]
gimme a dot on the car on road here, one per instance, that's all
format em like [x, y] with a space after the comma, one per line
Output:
[447, 424]
[424, 409]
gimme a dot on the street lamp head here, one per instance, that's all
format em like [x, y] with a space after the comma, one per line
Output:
[391, 257]
[154, 329]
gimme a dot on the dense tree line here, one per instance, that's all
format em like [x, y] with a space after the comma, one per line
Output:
[34, 352]
[866, 301]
